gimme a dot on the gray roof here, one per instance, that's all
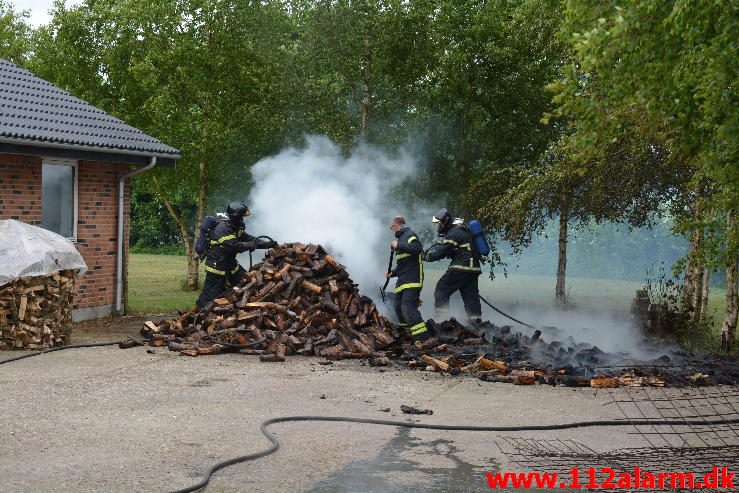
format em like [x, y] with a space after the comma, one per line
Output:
[37, 113]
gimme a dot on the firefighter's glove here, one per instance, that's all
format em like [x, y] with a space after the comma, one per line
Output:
[271, 244]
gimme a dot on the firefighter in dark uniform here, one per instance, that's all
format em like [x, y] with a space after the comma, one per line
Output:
[464, 269]
[409, 271]
[227, 239]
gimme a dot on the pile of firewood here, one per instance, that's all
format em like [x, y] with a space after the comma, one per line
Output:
[299, 300]
[36, 312]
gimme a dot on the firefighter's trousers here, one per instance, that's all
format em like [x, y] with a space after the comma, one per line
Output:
[406, 308]
[464, 282]
[216, 284]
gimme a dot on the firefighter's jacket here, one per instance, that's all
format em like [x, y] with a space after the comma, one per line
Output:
[457, 245]
[409, 267]
[226, 241]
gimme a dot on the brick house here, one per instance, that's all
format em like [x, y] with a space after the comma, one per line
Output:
[65, 166]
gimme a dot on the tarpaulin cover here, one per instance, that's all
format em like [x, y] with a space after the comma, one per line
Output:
[27, 251]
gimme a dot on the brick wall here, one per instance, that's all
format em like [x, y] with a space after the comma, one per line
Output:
[97, 229]
[97, 216]
[20, 188]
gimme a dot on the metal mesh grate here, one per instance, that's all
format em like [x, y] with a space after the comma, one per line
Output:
[696, 448]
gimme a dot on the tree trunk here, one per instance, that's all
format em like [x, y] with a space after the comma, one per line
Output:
[193, 280]
[704, 292]
[187, 241]
[366, 93]
[202, 189]
[728, 331]
[692, 282]
[560, 294]
[699, 273]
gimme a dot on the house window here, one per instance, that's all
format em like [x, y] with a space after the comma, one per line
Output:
[59, 197]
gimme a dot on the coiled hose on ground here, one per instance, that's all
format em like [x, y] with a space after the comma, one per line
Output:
[403, 424]
[275, 444]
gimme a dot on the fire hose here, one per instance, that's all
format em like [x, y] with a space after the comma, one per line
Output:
[275, 444]
[263, 237]
[504, 314]
[481, 298]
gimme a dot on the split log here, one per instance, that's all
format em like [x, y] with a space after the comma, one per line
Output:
[332, 261]
[497, 378]
[381, 361]
[603, 382]
[574, 381]
[427, 344]
[524, 378]
[311, 287]
[272, 358]
[490, 364]
[435, 362]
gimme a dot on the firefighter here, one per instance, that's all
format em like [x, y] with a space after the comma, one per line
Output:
[227, 239]
[409, 271]
[464, 269]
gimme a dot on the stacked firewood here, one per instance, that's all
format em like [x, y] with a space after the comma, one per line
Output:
[299, 300]
[36, 312]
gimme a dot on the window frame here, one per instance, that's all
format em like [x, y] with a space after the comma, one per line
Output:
[75, 172]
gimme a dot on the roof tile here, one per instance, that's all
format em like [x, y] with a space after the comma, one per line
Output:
[34, 110]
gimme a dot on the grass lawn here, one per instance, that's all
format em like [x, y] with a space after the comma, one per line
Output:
[155, 283]
[155, 286]
[520, 291]
[585, 293]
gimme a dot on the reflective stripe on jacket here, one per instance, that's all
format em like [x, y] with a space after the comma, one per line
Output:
[225, 243]
[458, 245]
[409, 267]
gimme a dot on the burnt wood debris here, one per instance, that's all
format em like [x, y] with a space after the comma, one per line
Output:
[301, 301]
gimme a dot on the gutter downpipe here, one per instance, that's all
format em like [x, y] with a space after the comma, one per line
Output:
[121, 218]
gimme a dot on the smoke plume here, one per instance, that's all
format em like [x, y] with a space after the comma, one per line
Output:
[315, 194]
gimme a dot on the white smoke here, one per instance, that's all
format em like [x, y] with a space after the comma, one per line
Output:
[315, 194]
[611, 332]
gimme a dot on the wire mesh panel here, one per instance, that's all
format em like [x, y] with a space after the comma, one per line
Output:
[710, 440]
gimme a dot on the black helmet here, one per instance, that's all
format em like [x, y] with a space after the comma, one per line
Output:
[443, 220]
[236, 211]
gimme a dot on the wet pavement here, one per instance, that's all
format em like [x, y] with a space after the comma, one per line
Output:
[408, 464]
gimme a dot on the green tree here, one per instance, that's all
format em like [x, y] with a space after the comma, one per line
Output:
[667, 70]
[202, 75]
[357, 63]
[15, 33]
[481, 103]
[628, 182]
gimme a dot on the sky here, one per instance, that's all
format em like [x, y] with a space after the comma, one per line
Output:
[39, 10]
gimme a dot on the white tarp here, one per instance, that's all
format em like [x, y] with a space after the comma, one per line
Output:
[27, 251]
